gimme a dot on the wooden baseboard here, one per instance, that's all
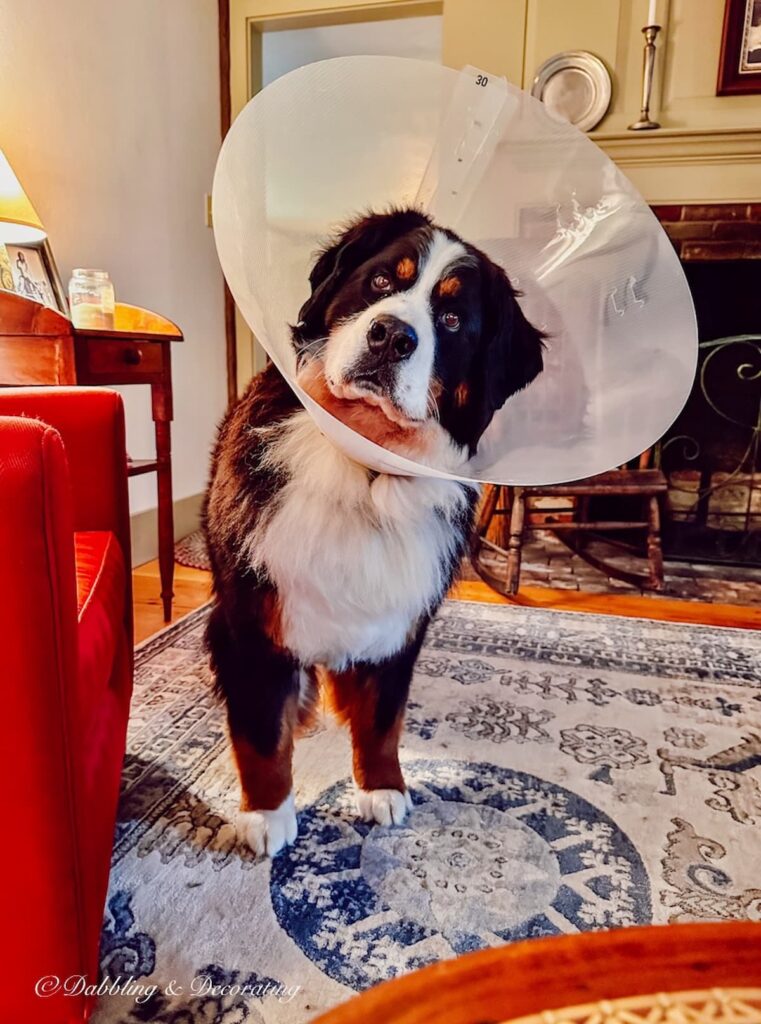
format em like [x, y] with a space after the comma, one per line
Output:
[144, 527]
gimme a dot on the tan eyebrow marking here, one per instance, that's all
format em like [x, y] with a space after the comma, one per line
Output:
[450, 286]
[461, 394]
[406, 269]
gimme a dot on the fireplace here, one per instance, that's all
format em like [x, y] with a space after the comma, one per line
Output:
[712, 453]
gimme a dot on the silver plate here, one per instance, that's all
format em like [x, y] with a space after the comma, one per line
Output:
[576, 86]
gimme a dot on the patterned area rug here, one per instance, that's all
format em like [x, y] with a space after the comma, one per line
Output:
[191, 551]
[568, 772]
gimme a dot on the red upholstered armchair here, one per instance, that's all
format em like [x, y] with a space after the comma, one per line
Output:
[66, 671]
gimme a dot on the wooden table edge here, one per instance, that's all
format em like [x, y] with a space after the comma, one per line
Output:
[528, 977]
[139, 323]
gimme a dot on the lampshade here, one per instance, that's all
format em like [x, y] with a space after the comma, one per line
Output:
[19, 221]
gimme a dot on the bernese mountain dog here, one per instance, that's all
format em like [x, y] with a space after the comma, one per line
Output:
[326, 573]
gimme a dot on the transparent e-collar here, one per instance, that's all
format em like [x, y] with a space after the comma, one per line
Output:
[596, 271]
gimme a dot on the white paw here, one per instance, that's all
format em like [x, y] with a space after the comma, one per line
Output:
[386, 806]
[267, 832]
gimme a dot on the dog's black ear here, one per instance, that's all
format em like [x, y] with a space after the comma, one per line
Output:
[511, 352]
[356, 244]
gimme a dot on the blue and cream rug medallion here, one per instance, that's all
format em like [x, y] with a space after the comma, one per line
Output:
[487, 855]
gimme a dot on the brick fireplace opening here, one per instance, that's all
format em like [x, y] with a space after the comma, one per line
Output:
[712, 453]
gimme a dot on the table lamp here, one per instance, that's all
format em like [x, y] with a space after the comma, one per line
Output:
[19, 221]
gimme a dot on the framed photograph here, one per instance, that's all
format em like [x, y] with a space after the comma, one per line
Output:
[740, 56]
[29, 270]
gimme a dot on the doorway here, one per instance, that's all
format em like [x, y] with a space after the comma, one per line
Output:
[265, 46]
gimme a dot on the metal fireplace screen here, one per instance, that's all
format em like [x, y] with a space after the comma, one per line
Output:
[712, 453]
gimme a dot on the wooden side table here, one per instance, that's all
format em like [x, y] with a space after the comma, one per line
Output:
[39, 346]
[138, 351]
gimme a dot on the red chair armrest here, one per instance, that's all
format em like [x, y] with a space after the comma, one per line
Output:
[62, 466]
[38, 597]
[91, 424]
[38, 623]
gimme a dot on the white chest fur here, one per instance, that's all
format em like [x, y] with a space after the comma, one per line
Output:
[355, 562]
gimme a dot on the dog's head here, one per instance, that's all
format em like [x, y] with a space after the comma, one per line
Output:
[409, 331]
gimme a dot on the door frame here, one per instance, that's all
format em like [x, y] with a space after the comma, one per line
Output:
[242, 24]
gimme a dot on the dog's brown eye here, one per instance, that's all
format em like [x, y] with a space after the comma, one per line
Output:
[451, 321]
[381, 282]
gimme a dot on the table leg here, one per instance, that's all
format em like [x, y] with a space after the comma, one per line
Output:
[161, 400]
[166, 518]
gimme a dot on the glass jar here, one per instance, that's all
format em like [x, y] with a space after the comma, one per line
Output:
[91, 299]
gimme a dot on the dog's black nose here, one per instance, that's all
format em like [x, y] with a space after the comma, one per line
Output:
[391, 339]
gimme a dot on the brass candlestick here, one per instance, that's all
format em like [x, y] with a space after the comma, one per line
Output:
[648, 67]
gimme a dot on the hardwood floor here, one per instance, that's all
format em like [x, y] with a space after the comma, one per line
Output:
[192, 588]
[628, 605]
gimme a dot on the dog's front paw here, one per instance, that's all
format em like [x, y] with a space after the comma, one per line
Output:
[267, 832]
[386, 806]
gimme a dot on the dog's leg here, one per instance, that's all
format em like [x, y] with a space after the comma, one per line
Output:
[372, 699]
[260, 684]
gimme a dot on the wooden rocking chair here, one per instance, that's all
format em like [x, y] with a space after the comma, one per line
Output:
[509, 503]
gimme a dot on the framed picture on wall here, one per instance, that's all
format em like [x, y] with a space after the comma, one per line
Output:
[740, 55]
[29, 270]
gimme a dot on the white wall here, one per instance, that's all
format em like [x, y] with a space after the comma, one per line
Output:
[110, 118]
[288, 49]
